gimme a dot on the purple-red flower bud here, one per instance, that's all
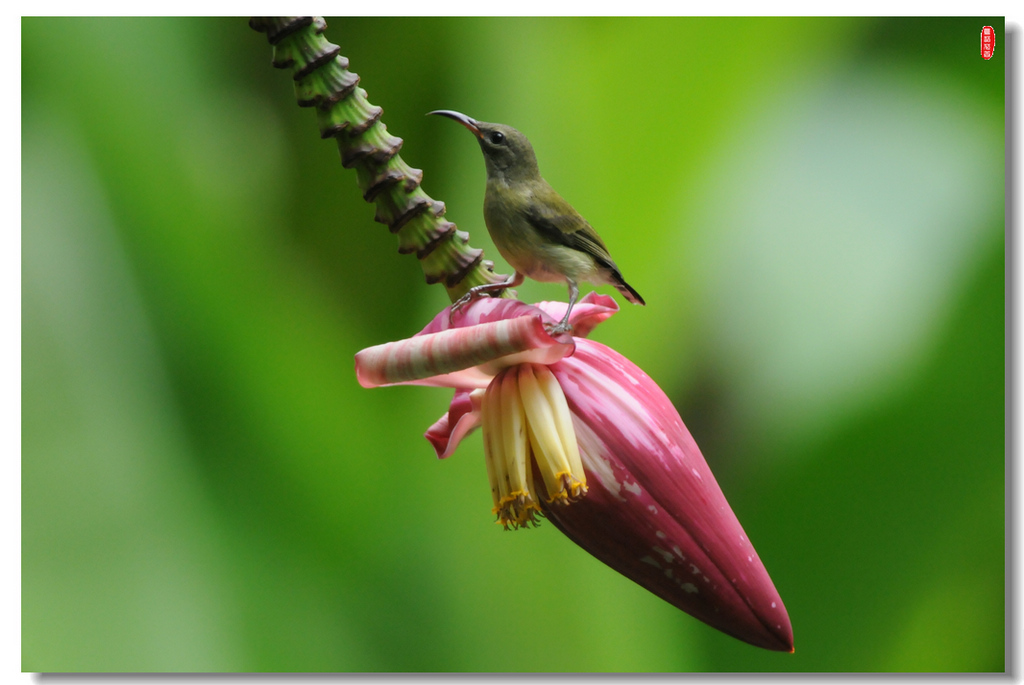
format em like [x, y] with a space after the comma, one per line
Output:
[577, 432]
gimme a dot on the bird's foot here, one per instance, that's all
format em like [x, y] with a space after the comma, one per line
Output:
[477, 291]
[558, 328]
[463, 301]
[459, 304]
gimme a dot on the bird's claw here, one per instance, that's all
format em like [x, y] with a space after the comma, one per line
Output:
[558, 328]
[459, 304]
[462, 302]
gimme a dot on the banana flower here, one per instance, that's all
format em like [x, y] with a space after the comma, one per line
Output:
[576, 433]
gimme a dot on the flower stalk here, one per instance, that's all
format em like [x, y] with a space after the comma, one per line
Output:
[323, 82]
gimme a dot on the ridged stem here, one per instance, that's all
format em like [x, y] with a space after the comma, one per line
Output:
[322, 81]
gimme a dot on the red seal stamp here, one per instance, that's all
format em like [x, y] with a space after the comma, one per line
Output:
[988, 42]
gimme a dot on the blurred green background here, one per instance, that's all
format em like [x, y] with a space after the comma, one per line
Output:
[813, 210]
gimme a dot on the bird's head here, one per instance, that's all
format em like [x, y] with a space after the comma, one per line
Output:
[507, 153]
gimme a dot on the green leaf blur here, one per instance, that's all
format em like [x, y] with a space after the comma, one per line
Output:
[812, 208]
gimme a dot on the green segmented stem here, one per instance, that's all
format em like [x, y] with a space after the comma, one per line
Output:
[322, 81]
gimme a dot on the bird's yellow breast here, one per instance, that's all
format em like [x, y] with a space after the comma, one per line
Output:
[526, 249]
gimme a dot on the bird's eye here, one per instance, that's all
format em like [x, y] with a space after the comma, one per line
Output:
[497, 138]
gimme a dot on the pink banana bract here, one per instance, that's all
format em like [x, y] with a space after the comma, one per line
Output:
[578, 434]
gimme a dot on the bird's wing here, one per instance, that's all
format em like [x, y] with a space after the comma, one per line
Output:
[567, 227]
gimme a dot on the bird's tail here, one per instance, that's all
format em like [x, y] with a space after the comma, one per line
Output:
[627, 290]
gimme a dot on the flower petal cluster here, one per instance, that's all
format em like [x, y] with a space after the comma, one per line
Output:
[578, 434]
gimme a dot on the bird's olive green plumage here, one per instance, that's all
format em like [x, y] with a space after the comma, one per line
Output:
[534, 228]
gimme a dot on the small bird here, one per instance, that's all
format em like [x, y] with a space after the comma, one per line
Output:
[535, 230]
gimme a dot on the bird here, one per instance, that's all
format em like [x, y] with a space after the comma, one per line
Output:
[538, 233]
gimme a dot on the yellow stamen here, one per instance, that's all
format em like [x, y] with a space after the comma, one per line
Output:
[564, 428]
[552, 436]
[526, 421]
[490, 421]
[519, 506]
[506, 452]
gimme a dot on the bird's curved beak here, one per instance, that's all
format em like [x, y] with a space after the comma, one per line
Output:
[468, 122]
